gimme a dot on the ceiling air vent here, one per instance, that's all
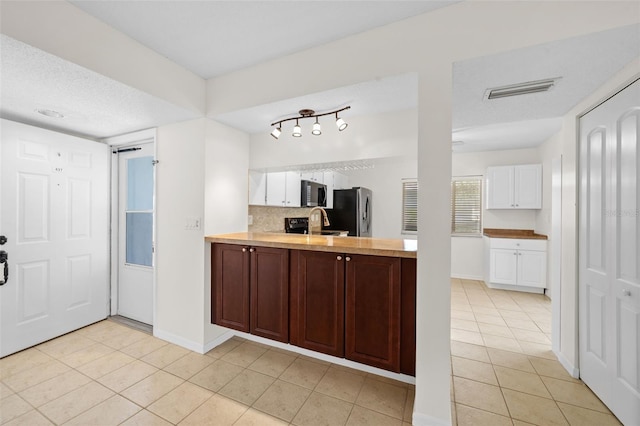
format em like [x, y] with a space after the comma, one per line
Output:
[521, 88]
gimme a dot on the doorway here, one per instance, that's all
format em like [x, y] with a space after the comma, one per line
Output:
[133, 242]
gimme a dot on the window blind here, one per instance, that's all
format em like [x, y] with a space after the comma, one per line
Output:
[466, 205]
[409, 206]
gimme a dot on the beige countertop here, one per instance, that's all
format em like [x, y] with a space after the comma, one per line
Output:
[347, 245]
[527, 234]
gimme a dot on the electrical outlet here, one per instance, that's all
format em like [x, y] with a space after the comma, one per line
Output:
[250, 219]
[192, 223]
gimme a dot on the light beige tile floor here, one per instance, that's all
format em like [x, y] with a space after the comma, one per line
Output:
[503, 372]
[111, 374]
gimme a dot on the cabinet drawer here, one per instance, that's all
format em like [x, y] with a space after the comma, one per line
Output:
[517, 244]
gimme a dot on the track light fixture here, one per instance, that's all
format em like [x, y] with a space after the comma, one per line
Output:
[309, 113]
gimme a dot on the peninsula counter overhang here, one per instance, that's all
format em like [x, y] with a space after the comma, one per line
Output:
[347, 245]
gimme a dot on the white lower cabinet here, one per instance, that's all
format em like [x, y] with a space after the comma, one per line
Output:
[516, 264]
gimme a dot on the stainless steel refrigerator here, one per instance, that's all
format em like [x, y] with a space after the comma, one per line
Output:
[352, 211]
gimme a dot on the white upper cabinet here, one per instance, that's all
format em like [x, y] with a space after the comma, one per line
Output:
[257, 188]
[283, 189]
[313, 176]
[514, 187]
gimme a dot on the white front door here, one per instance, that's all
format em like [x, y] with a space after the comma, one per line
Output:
[136, 214]
[55, 216]
[609, 253]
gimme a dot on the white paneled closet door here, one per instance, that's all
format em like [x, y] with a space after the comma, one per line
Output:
[609, 253]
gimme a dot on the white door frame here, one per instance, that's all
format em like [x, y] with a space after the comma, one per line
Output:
[118, 142]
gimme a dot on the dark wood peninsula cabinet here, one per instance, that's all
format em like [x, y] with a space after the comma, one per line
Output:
[359, 304]
[251, 289]
[317, 301]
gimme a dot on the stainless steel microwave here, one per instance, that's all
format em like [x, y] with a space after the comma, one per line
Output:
[313, 194]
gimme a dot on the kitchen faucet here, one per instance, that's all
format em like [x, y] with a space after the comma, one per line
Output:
[314, 220]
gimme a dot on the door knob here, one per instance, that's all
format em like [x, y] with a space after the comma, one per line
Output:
[3, 240]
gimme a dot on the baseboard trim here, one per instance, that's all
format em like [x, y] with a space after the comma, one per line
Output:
[571, 369]
[420, 419]
[468, 277]
[178, 340]
[218, 341]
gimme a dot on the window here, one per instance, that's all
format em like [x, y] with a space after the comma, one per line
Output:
[409, 206]
[466, 205]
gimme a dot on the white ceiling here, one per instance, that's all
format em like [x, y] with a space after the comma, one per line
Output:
[190, 33]
[212, 38]
[93, 105]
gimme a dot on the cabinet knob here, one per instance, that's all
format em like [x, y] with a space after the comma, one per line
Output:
[517, 205]
[251, 250]
[244, 249]
[339, 257]
[511, 205]
[348, 258]
[515, 253]
[626, 292]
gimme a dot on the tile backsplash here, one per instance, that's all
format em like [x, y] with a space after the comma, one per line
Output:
[271, 219]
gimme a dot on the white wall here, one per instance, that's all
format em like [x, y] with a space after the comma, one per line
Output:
[467, 253]
[225, 195]
[202, 172]
[368, 136]
[179, 252]
[385, 181]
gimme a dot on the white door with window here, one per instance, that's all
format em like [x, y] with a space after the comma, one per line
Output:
[55, 216]
[609, 253]
[135, 230]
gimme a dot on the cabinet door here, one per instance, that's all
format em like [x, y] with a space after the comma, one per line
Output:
[528, 186]
[292, 189]
[499, 187]
[230, 291]
[270, 293]
[328, 180]
[257, 188]
[372, 311]
[276, 189]
[503, 265]
[340, 181]
[317, 301]
[532, 268]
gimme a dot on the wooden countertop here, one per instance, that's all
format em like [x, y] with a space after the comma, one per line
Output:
[526, 234]
[347, 245]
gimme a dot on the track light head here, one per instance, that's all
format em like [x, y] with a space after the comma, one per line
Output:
[340, 123]
[297, 131]
[276, 132]
[317, 130]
